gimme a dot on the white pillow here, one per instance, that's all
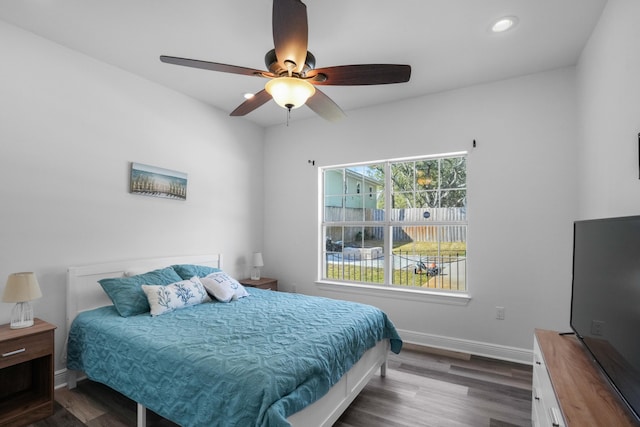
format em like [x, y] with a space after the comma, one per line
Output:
[223, 287]
[163, 299]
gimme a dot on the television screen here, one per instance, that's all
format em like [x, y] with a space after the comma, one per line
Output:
[605, 302]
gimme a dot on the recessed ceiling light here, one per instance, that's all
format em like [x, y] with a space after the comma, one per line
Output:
[504, 24]
[248, 95]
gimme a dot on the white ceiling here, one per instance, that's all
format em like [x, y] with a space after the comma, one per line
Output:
[447, 42]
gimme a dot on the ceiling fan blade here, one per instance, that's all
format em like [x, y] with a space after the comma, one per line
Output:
[290, 32]
[365, 74]
[251, 104]
[215, 66]
[324, 106]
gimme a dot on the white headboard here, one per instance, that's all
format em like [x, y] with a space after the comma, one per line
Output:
[85, 293]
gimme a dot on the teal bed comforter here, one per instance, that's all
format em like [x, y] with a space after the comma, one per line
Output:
[251, 362]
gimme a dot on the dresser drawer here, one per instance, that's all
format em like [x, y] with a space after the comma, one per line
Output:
[545, 407]
[26, 348]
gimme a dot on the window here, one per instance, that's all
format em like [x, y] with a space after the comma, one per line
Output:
[410, 230]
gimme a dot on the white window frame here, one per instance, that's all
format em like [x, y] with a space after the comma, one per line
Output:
[385, 289]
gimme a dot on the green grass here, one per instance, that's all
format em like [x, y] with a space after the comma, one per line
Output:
[376, 275]
[404, 276]
[426, 248]
[401, 277]
[431, 248]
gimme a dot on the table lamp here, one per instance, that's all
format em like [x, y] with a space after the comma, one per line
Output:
[21, 288]
[257, 263]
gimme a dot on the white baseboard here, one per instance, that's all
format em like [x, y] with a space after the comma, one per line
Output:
[60, 378]
[494, 351]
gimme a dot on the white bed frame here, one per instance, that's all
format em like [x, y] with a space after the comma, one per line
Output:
[85, 293]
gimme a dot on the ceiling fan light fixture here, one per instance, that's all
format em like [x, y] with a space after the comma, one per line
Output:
[504, 24]
[290, 92]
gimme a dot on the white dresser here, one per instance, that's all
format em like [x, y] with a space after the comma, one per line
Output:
[568, 388]
[545, 409]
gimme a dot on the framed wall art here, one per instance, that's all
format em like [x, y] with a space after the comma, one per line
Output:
[157, 182]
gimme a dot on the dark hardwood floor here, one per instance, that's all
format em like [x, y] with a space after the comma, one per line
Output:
[420, 389]
[423, 389]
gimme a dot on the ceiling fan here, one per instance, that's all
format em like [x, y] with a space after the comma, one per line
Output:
[291, 68]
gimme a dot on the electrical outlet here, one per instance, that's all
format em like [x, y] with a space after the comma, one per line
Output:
[597, 327]
[500, 313]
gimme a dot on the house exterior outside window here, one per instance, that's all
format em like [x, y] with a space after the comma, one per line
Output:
[408, 231]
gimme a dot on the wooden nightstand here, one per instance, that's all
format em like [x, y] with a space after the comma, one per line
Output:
[262, 283]
[26, 373]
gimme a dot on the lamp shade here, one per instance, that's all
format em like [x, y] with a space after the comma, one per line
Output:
[289, 92]
[21, 287]
[257, 259]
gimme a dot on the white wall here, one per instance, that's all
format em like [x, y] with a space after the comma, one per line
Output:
[522, 182]
[551, 147]
[69, 128]
[609, 99]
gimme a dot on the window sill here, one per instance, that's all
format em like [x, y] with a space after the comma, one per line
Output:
[439, 297]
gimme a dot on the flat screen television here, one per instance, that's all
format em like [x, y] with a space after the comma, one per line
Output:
[605, 300]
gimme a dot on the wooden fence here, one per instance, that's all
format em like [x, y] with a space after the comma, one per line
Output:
[421, 233]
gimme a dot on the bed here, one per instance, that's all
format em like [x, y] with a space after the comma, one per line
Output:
[269, 359]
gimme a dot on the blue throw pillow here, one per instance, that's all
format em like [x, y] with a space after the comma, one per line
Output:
[127, 294]
[187, 271]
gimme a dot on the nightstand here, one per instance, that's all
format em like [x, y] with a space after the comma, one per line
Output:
[26, 373]
[262, 283]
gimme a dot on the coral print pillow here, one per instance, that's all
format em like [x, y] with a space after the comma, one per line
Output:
[223, 287]
[163, 299]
